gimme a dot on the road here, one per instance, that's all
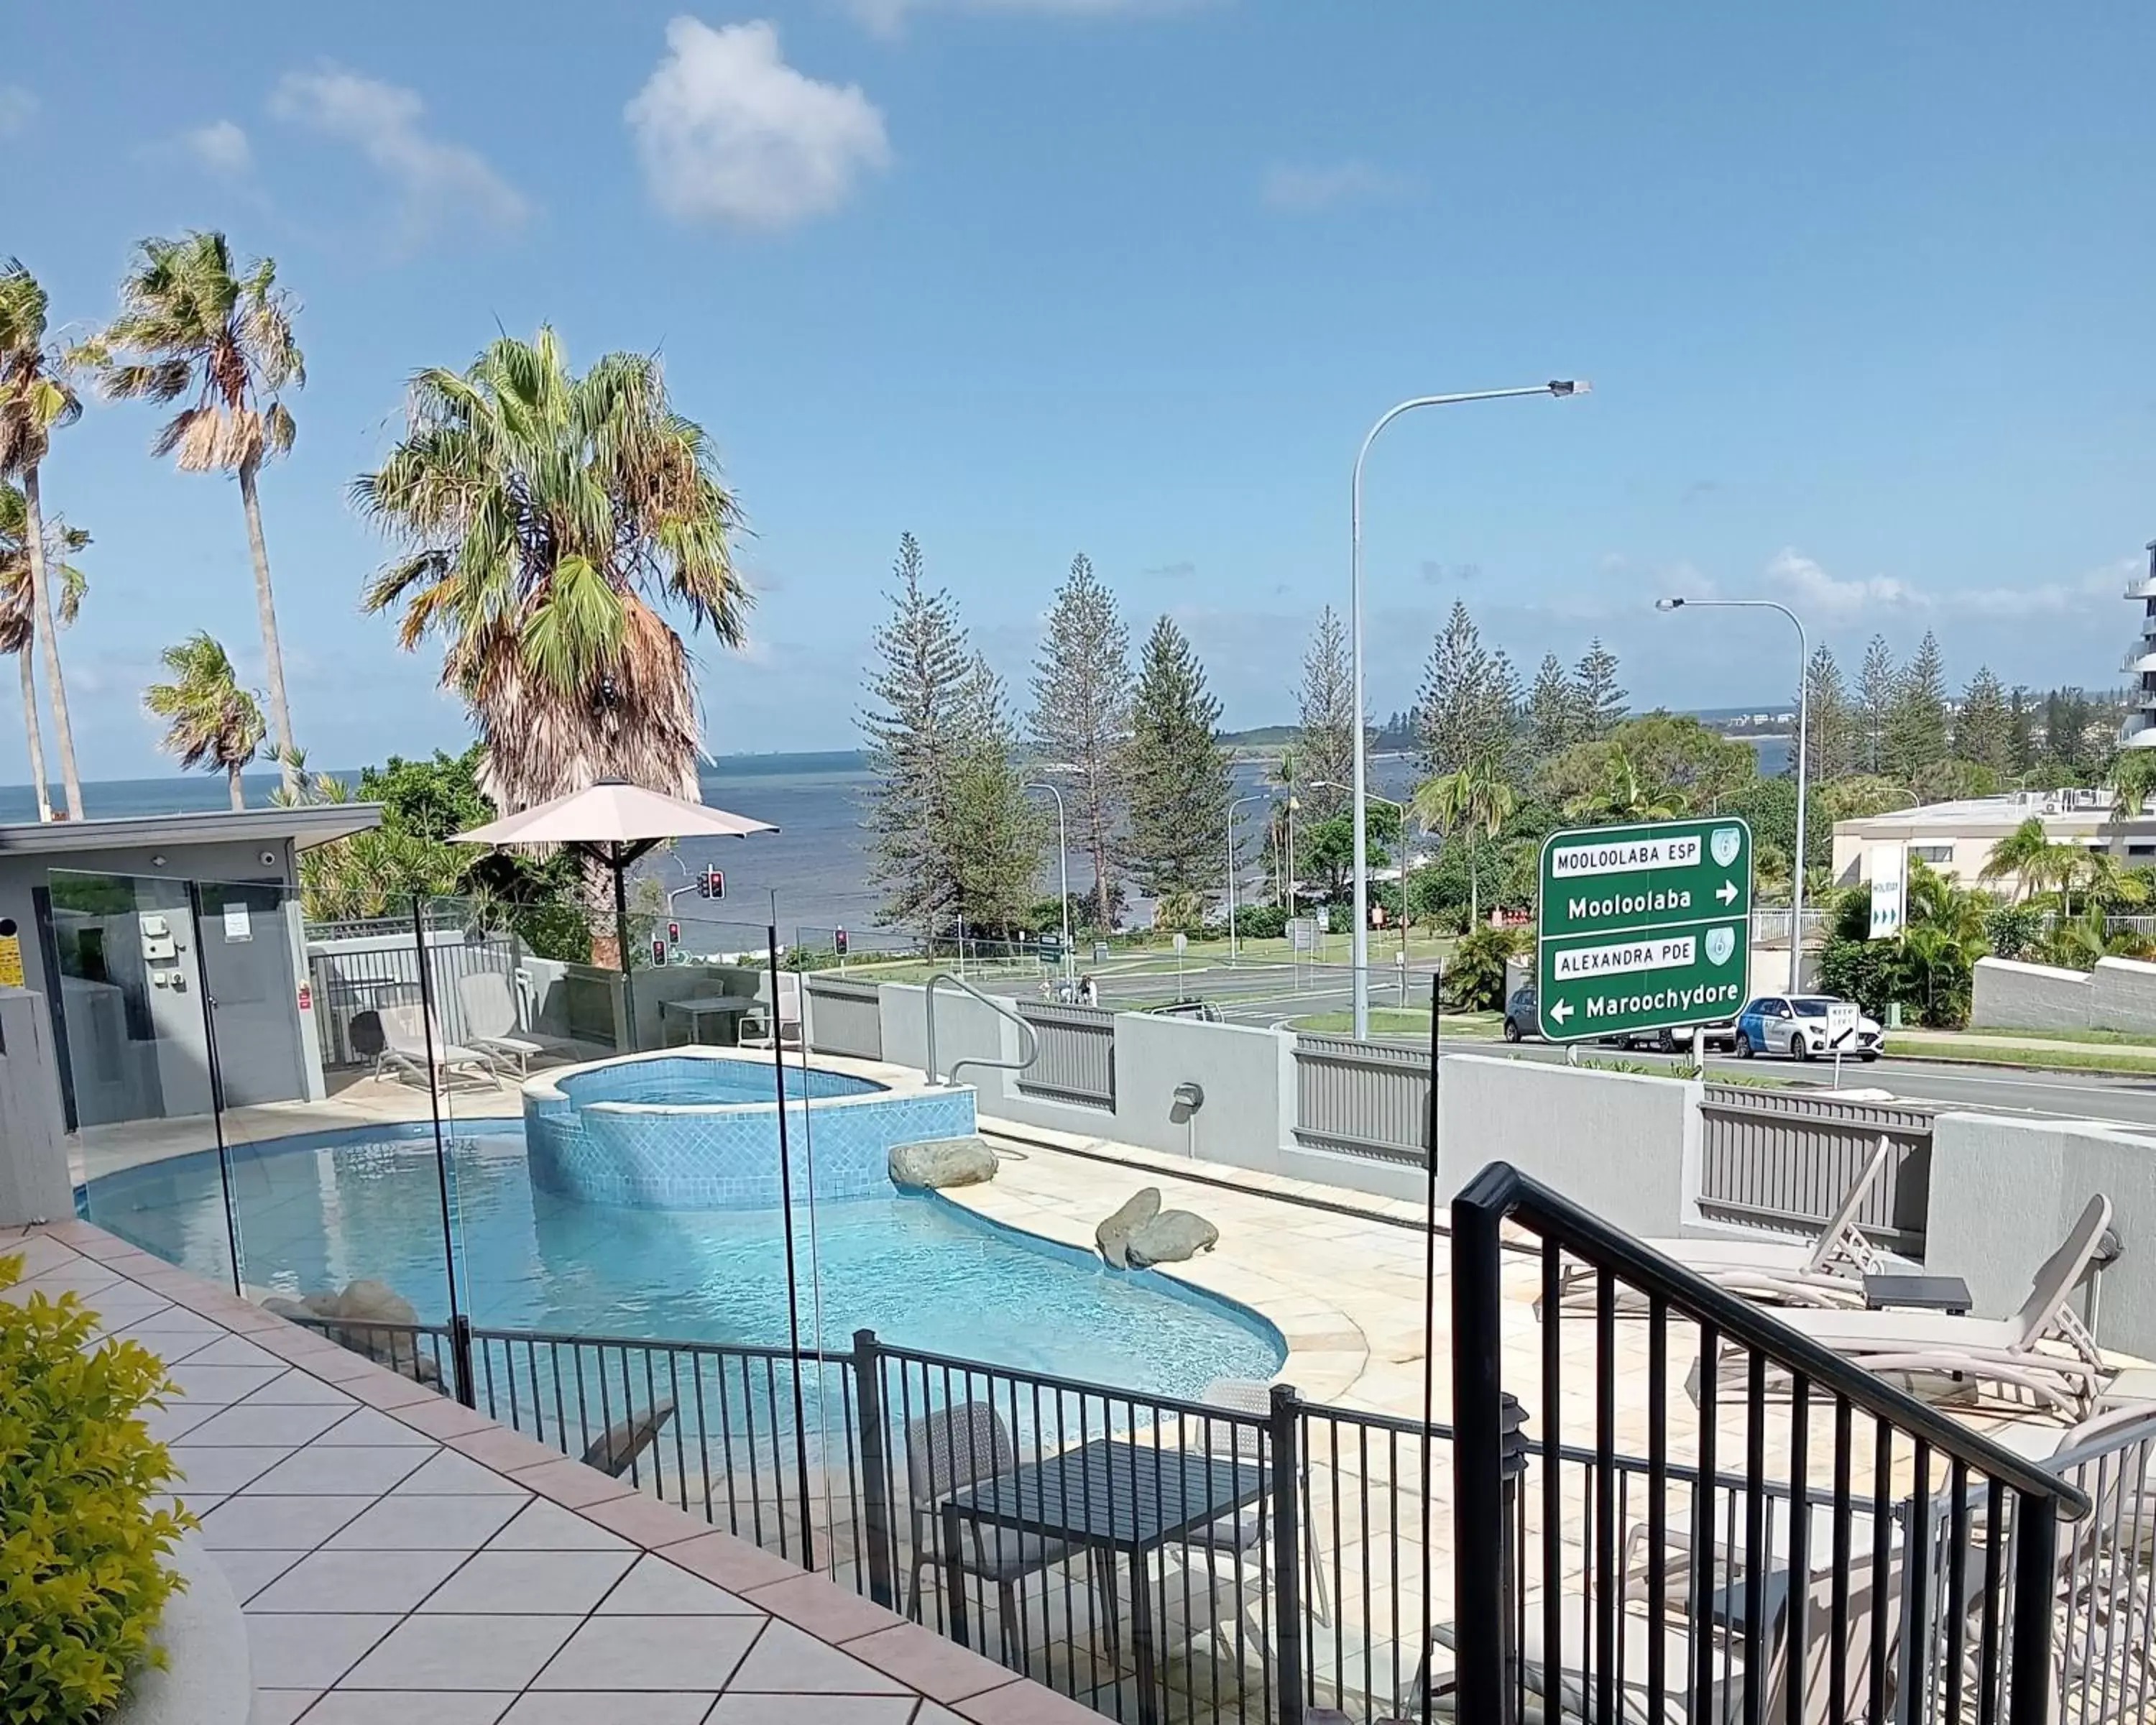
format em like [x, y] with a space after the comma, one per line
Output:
[1271, 994]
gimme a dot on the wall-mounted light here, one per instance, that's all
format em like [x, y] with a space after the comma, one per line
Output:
[1188, 1098]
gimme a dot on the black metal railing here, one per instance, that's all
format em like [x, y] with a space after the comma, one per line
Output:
[1923, 1587]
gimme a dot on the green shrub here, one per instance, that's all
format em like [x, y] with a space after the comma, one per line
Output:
[81, 1585]
[1475, 978]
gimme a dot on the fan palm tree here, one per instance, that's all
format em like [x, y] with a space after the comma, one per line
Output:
[543, 518]
[194, 324]
[1476, 800]
[35, 399]
[18, 614]
[214, 722]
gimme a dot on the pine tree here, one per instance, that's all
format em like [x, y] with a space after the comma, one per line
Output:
[915, 729]
[996, 836]
[1180, 783]
[1601, 702]
[1325, 738]
[1830, 746]
[1464, 711]
[1916, 720]
[1876, 686]
[2021, 730]
[1550, 718]
[1984, 729]
[1081, 717]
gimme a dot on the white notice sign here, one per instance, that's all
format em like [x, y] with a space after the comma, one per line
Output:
[237, 927]
[1840, 1024]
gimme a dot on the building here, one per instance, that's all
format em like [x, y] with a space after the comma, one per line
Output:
[1956, 838]
[2139, 730]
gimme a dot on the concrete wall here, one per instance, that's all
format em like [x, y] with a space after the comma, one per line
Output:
[1626, 1147]
[2003, 1194]
[964, 1028]
[2123, 995]
[34, 1185]
[1246, 1074]
[2011, 995]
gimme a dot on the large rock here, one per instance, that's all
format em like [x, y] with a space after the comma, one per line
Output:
[382, 1318]
[1169, 1238]
[1113, 1235]
[935, 1163]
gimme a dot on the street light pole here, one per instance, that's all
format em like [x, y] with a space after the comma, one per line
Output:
[1257, 797]
[1391, 802]
[1359, 946]
[1062, 855]
[1803, 749]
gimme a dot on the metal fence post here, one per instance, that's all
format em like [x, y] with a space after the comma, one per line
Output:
[1286, 1421]
[460, 1359]
[876, 1504]
[1478, 1509]
[1512, 1453]
[2036, 1580]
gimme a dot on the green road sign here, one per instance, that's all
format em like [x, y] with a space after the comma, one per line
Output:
[1643, 928]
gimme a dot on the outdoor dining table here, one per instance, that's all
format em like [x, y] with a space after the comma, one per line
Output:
[1120, 1497]
[728, 1007]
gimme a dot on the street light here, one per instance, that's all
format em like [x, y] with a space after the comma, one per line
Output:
[1390, 802]
[1804, 718]
[1063, 854]
[1256, 797]
[1359, 947]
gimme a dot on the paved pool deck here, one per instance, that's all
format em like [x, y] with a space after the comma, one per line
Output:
[398, 1557]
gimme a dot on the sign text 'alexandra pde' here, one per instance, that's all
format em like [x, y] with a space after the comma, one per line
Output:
[1643, 928]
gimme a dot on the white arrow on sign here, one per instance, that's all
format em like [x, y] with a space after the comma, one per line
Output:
[1561, 1011]
[1726, 892]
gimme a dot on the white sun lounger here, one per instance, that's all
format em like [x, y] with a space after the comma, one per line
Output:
[490, 1020]
[409, 1034]
[2043, 1348]
[1826, 1270]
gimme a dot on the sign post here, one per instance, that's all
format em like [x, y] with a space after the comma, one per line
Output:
[1841, 1020]
[1644, 927]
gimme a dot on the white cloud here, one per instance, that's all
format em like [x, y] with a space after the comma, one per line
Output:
[886, 18]
[728, 132]
[1807, 588]
[19, 107]
[221, 146]
[1303, 190]
[2049, 598]
[439, 184]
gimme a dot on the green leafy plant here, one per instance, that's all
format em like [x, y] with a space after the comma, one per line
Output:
[1474, 979]
[81, 1583]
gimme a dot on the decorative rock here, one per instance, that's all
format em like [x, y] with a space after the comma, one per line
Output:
[381, 1316]
[372, 1302]
[935, 1163]
[1169, 1238]
[1113, 1235]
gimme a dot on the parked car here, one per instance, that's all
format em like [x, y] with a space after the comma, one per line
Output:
[1520, 1014]
[1204, 1010]
[1677, 1038]
[1795, 1025]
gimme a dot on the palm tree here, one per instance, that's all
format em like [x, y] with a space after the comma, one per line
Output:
[543, 517]
[2022, 852]
[18, 614]
[35, 398]
[1475, 798]
[193, 323]
[1625, 795]
[214, 721]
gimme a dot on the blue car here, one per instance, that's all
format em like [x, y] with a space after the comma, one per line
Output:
[1795, 1025]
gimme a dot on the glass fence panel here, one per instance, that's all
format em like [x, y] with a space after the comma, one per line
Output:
[122, 975]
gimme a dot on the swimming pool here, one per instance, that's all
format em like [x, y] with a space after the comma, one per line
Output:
[320, 1210]
[698, 1129]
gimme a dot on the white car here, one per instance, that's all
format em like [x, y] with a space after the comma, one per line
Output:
[1796, 1025]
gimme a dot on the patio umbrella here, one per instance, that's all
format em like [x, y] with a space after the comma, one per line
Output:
[616, 822]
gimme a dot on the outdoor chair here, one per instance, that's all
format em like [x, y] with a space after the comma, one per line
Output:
[755, 1025]
[947, 1450]
[1827, 1270]
[1248, 1529]
[410, 1036]
[2044, 1349]
[491, 1020]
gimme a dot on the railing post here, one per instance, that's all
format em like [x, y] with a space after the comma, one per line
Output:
[1512, 1450]
[460, 1359]
[1285, 1422]
[1485, 1694]
[2035, 1580]
[875, 1504]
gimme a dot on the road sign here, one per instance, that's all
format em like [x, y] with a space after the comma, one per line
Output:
[1643, 928]
[1889, 870]
[1842, 1017]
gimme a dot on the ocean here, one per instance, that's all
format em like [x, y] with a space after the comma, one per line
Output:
[815, 862]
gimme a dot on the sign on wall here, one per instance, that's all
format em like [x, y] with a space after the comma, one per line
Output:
[1889, 872]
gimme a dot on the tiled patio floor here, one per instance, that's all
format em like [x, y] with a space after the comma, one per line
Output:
[400, 1557]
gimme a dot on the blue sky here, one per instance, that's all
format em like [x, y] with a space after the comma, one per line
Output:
[1863, 289]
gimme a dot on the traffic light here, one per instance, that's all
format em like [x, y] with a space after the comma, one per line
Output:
[704, 883]
[658, 951]
[673, 932]
[839, 941]
[718, 882]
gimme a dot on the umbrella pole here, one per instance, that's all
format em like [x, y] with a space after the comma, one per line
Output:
[621, 939]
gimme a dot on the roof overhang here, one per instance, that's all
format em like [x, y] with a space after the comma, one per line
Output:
[306, 826]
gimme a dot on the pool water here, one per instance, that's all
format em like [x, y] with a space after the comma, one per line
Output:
[682, 1081]
[921, 1272]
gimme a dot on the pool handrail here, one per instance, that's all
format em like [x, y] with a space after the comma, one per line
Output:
[1031, 1036]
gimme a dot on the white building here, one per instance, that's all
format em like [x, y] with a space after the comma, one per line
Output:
[1956, 838]
[2139, 730]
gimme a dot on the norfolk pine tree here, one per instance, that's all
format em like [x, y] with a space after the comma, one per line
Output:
[1464, 711]
[1876, 686]
[1081, 717]
[1325, 738]
[1600, 702]
[1180, 783]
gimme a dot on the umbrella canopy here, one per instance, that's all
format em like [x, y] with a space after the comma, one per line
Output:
[613, 815]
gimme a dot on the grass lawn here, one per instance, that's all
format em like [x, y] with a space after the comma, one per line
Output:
[2123, 1039]
[1979, 1051]
[1394, 1021]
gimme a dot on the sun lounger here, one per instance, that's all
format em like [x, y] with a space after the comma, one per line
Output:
[410, 1037]
[2044, 1349]
[1826, 1270]
[490, 1020]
